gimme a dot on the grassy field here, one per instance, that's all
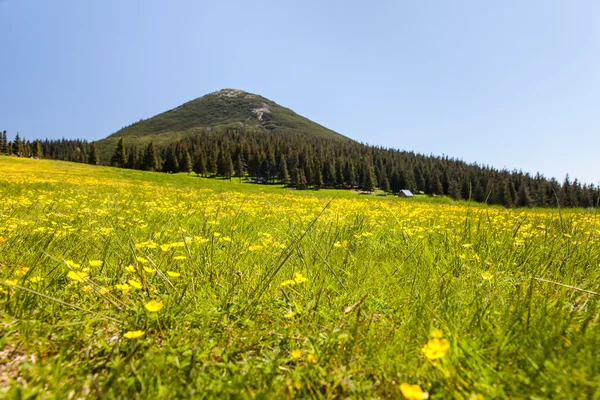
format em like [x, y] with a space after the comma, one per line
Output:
[127, 284]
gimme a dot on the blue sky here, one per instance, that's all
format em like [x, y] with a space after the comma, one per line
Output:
[512, 84]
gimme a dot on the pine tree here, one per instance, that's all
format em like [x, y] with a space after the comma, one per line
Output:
[171, 165]
[131, 161]
[239, 167]
[317, 178]
[369, 179]
[119, 159]
[228, 170]
[187, 162]
[37, 149]
[151, 161]
[4, 143]
[93, 158]
[17, 147]
[523, 199]
[199, 165]
[284, 175]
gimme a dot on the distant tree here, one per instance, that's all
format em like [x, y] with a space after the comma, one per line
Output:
[369, 179]
[93, 158]
[350, 175]
[4, 142]
[523, 199]
[239, 167]
[187, 163]
[298, 179]
[199, 165]
[38, 152]
[284, 175]
[151, 160]
[119, 159]
[317, 178]
[17, 147]
[171, 165]
[131, 158]
[227, 169]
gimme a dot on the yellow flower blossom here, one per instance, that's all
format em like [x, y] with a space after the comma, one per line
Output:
[413, 392]
[164, 247]
[173, 274]
[133, 334]
[10, 282]
[36, 279]
[436, 348]
[134, 284]
[154, 306]
[95, 263]
[298, 278]
[77, 276]
[487, 276]
[179, 258]
[73, 264]
[125, 288]
[141, 260]
[150, 270]
[296, 354]
[130, 268]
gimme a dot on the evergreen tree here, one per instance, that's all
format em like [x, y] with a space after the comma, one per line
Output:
[37, 149]
[17, 147]
[131, 158]
[4, 143]
[369, 179]
[119, 159]
[93, 158]
[171, 165]
[187, 162]
[151, 160]
[199, 165]
[317, 178]
[239, 167]
[523, 199]
[284, 175]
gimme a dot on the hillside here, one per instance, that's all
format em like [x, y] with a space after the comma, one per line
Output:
[225, 108]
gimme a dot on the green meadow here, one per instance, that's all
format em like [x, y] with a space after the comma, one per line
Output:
[126, 284]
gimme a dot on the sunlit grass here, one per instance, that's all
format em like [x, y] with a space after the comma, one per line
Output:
[131, 284]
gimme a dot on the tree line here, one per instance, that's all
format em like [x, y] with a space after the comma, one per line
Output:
[305, 162]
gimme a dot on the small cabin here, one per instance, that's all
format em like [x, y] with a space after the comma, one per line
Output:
[405, 193]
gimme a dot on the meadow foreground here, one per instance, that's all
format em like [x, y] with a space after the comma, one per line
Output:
[126, 284]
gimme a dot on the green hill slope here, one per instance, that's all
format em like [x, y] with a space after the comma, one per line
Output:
[226, 108]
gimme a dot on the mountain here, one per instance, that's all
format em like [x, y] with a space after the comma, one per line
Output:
[227, 108]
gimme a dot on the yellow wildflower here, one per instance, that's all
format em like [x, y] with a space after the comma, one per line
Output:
[179, 258]
[95, 263]
[296, 354]
[487, 276]
[73, 264]
[289, 314]
[125, 288]
[154, 306]
[130, 268]
[141, 260]
[413, 392]
[288, 282]
[310, 357]
[298, 278]
[164, 247]
[173, 274]
[11, 282]
[77, 276]
[36, 279]
[135, 284]
[133, 334]
[150, 270]
[436, 348]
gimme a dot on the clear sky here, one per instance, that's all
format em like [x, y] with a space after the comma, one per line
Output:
[509, 83]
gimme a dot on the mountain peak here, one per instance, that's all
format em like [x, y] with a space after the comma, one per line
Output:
[216, 111]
